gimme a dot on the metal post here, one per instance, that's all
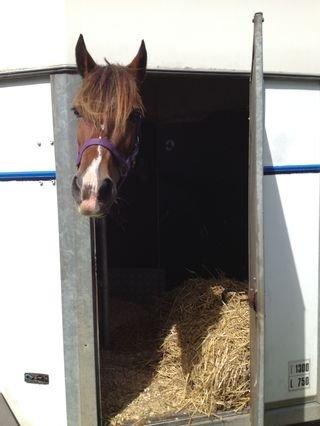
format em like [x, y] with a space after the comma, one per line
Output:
[100, 242]
[78, 288]
[256, 266]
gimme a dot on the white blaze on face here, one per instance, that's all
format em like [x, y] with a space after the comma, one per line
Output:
[90, 182]
[90, 176]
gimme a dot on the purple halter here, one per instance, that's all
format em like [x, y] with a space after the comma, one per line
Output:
[124, 163]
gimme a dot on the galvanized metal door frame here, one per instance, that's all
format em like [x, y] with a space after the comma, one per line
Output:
[256, 267]
[80, 322]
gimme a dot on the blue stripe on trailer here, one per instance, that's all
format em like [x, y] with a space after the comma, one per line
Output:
[27, 176]
[299, 168]
[51, 175]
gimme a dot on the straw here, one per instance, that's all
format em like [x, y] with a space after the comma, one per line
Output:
[197, 364]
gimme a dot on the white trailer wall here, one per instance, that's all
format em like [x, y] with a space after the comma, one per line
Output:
[291, 236]
[30, 286]
[197, 34]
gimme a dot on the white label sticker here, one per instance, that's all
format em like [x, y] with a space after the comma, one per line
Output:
[299, 374]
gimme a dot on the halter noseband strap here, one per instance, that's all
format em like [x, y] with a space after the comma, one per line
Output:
[125, 163]
[100, 142]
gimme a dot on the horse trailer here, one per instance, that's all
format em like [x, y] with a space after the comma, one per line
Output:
[230, 152]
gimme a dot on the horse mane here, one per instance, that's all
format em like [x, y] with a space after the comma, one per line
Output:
[107, 97]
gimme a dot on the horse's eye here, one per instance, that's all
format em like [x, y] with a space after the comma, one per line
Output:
[135, 116]
[76, 112]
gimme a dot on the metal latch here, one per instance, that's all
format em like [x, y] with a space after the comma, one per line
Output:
[252, 296]
[36, 378]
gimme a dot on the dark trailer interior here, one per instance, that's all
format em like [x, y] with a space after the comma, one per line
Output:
[183, 212]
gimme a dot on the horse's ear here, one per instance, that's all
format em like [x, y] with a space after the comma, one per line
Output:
[85, 63]
[139, 63]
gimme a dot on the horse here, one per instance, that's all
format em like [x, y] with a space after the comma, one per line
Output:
[109, 109]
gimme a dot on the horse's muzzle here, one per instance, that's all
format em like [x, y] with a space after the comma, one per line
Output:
[94, 203]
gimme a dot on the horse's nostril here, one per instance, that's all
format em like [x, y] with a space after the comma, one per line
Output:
[105, 190]
[76, 189]
[76, 181]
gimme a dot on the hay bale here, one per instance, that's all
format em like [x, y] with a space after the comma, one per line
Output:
[201, 364]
